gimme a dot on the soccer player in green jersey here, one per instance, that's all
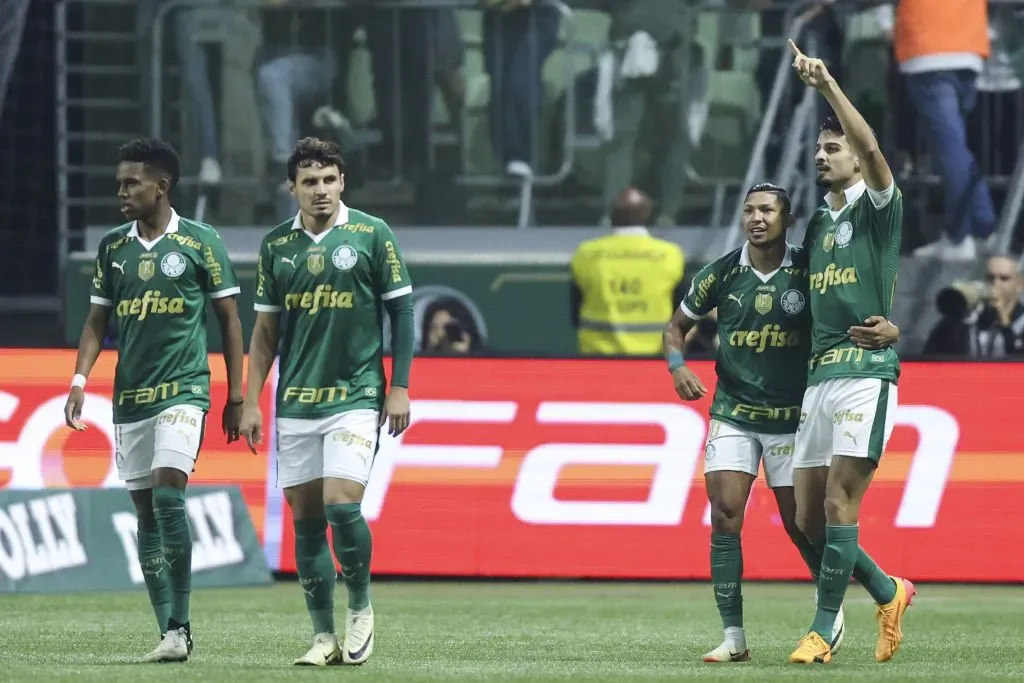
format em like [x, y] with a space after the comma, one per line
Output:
[322, 282]
[155, 275]
[760, 293]
[847, 414]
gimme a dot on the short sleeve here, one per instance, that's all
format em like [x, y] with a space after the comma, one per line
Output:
[101, 292]
[885, 210]
[392, 277]
[218, 277]
[268, 297]
[702, 297]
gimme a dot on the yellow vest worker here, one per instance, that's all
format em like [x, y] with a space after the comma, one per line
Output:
[625, 285]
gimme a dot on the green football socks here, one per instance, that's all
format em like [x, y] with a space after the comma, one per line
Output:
[317, 574]
[353, 547]
[836, 567]
[811, 552]
[176, 537]
[153, 564]
[726, 575]
[879, 585]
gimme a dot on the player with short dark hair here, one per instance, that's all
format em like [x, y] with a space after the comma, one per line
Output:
[155, 275]
[760, 293]
[323, 279]
[848, 411]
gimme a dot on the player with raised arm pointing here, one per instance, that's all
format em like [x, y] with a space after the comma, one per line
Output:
[853, 247]
[155, 274]
[323, 281]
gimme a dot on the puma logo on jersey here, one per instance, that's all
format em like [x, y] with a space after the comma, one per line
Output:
[119, 266]
[737, 299]
[289, 261]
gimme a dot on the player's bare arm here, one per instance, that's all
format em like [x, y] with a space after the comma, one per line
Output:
[877, 332]
[873, 165]
[90, 343]
[396, 408]
[262, 350]
[688, 386]
[226, 310]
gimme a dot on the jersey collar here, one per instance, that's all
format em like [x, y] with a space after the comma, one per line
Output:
[341, 220]
[172, 226]
[631, 230]
[852, 193]
[787, 258]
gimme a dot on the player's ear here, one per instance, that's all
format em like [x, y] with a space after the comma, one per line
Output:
[163, 186]
[291, 189]
[788, 220]
[341, 183]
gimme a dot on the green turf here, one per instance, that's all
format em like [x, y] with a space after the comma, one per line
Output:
[510, 632]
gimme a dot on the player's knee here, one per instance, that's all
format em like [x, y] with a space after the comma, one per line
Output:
[727, 516]
[840, 508]
[809, 522]
[342, 491]
[306, 501]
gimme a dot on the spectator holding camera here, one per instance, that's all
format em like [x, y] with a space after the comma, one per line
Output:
[448, 328]
[982, 320]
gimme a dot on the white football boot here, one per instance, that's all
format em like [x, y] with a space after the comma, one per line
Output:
[173, 647]
[732, 649]
[324, 652]
[358, 636]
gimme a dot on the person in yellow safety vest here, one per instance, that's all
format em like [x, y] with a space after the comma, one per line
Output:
[625, 285]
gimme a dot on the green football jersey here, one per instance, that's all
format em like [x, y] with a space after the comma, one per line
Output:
[158, 291]
[329, 290]
[854, 256]
[764, 328]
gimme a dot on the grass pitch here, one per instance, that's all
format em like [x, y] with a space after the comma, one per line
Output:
[524, 632]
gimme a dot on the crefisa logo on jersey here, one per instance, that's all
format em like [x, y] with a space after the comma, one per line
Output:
[344, 257]
[792, 301]
[172, 265]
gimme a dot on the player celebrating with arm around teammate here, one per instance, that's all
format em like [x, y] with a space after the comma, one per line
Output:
[155, 275]
[322, 280]
[760, 292]
[853, 245]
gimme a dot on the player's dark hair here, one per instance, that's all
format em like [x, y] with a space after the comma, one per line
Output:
[314, 152]
[154, 154]
[779, 192]
[832, 125]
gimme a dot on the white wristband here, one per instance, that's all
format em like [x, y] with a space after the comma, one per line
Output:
[78, 381]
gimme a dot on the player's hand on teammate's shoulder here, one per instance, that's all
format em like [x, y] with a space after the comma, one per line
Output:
[396, 411]
[688, 385]
[812, 71]
[231, 420]
[250, 426]
[877, 332]
[73, 409]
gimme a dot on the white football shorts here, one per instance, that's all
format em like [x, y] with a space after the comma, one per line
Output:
[850, 416]
[171, 439]
[340, 446]
[732, 449]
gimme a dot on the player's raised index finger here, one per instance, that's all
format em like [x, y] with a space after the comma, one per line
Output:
[794, 49]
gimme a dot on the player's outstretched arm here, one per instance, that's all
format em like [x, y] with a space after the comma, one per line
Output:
[90, 343]
[688, 386]
[262, 350]
[813, 73]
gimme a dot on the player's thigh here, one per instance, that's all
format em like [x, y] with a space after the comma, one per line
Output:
[813, 440]
[350, 446]
[300, 452]
[133, 453]
[731, 460]
[177, 438]
[863, 413]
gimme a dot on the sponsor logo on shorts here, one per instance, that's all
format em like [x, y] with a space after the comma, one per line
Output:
[847, 417]
[779, 450]
[170, 418]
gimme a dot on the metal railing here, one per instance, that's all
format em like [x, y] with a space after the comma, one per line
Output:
[525, 185]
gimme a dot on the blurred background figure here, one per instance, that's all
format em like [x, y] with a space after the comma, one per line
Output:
[982, 320]
[519, 35]
[642, 82]
[448, 328]
[941, 47]
[625, 285]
